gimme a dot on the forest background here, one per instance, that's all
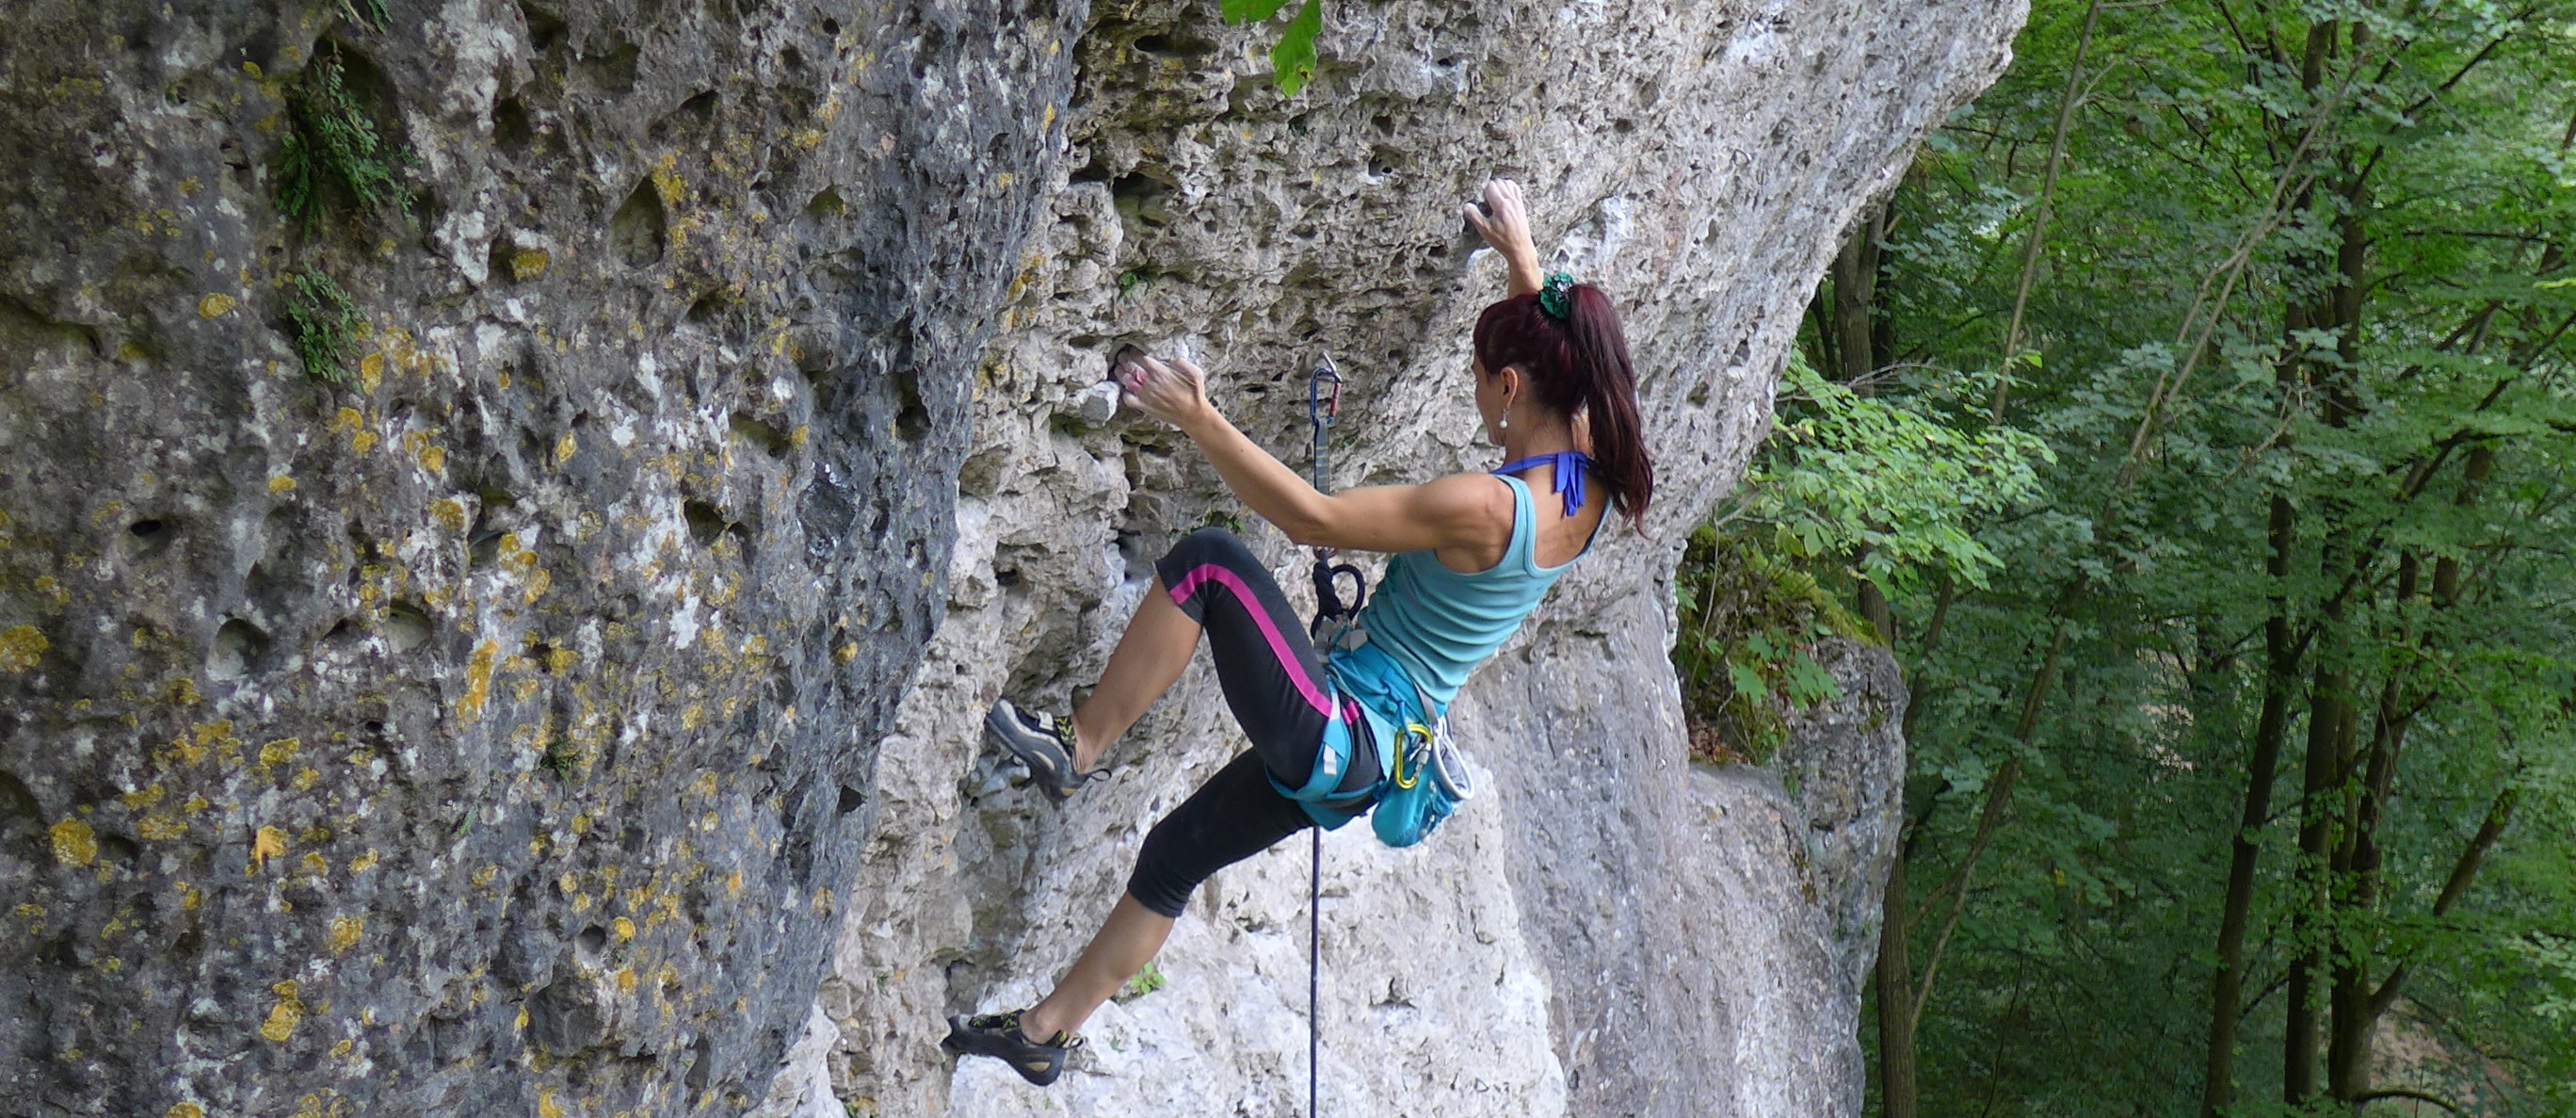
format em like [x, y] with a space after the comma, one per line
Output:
[2196, 424]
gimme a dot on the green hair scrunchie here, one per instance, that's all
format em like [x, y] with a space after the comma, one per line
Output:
[1556, 296]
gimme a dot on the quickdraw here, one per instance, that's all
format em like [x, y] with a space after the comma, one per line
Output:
[1323, 406]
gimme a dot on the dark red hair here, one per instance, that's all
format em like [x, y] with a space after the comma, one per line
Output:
[1578, 365]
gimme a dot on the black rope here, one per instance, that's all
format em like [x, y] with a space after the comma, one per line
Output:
[1314, 972]
[1321, 410]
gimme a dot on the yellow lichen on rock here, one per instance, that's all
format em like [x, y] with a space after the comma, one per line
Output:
[344, 933]
[478, 682]
[267, 843]
[21, 648]
[279, 751]
[216, 306]
[74, 843]
[284, 1016]
[528, 263]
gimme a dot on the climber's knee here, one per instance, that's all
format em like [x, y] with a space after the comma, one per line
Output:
[1160, 883]
[1209, 545]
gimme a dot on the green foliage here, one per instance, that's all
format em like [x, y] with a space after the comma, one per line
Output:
[331, 144]
[1146, 981]
[2343, 286]
[1899, 481]
[370, 14]
[1749, 627]
[1292, 58]
[561, 758]
[1134, 278]
[325, 324]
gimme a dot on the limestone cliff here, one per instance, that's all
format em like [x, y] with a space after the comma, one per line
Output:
[515, 724]
[1605, 934]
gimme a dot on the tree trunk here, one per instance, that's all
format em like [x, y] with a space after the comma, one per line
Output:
[2280, 677]
[1855, 297]
[1895, 979]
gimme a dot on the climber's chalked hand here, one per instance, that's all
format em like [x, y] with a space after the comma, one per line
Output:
[1503, 220]
[1173, 391]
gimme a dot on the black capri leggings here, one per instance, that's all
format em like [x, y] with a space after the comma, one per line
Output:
[1274, 681]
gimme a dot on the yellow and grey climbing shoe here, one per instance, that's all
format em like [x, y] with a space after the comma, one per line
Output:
[1042, 742]
[998, 1035]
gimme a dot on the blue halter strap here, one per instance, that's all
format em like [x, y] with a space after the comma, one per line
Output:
[1570, 466]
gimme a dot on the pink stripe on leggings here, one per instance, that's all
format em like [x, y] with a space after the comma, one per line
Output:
[1252, 605]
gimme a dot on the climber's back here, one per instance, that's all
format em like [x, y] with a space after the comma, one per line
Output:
[1439, 623]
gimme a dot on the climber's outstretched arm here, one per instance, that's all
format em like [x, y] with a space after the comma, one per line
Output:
[1460, 511]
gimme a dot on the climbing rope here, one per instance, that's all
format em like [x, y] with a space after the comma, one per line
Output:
[1322, 407]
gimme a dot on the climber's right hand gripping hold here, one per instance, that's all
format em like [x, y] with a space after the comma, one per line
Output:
[1457, 511]
[1504, 223]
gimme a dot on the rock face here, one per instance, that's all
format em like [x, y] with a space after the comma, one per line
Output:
[492, 733]
[1570, 933]
[516, 726]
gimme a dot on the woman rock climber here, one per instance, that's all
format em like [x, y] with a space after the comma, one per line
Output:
[1473, 554]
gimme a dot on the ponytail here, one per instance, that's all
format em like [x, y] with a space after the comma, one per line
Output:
[1578, 365]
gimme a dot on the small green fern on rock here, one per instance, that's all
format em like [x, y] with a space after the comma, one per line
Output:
[325, 323]
[330, 141]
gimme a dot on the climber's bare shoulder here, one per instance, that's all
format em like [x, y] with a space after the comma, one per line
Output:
[1466, 514]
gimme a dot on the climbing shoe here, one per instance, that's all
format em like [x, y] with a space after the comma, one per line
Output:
[1044, 743]
[998, 1035]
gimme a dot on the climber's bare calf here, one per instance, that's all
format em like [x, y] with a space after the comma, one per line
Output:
[1157, 646]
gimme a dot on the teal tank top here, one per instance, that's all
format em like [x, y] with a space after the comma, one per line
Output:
[1438, 624]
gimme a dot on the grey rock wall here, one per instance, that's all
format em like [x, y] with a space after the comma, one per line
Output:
[1607, 933]
[493, 733]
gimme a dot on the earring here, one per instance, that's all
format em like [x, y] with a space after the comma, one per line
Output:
[1503, 424]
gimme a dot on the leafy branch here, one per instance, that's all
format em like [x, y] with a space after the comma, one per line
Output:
[1292, 58]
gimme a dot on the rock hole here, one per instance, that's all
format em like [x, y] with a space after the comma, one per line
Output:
[832, 27]
[791, 58]
[759, 434]
[706, 525]
[1139, 198]
[851, 799]
[238, 645]
[826, 206]
[613, 70]
[406, 626]
[546, 30]
[708, 307]
[913, 422]
[1698, 394]
[877, 527]
[702, 1063]
[637, 231]
[592, 941]
[151, 536]
[496, 262]
[22, 820]
[510, 127]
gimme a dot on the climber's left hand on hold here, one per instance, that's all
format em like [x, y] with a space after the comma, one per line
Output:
[1173, 391]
